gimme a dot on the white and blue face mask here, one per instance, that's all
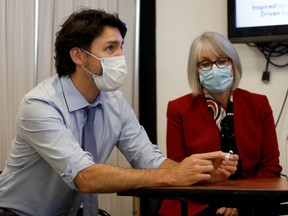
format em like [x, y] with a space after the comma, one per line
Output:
[114, 72]
[216, 79]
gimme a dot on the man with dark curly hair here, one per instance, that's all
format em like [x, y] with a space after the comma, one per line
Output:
[68, 125]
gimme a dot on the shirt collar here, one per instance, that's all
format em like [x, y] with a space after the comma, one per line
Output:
[74, 99]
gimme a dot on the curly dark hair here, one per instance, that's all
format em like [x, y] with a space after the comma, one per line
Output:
[79, 30]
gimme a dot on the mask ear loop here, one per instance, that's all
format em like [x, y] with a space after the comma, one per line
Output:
[93, 75]
[91, 54]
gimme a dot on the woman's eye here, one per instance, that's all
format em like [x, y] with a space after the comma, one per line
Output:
[205, 64]
[221, 61]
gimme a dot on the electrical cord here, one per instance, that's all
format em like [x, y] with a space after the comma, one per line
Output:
[282, 108]
[279, 116]
[271, 50]
[266, 73]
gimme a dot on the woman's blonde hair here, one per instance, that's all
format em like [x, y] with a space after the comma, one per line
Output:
[211, 43]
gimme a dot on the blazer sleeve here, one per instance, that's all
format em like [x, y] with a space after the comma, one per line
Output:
[269, 164]
[174, 134]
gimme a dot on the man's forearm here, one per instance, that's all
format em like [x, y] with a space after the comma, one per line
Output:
[100, 178]
[168, 164]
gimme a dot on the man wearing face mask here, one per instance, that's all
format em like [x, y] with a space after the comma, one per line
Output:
[218, 115]
[114, 72]
[68, 125]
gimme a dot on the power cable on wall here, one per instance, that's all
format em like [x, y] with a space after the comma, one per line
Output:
[271, 51]
[279, 117]
[282, 108]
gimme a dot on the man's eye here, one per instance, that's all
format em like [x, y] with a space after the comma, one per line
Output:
[110, 48]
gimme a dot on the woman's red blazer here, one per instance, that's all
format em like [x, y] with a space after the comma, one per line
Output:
[191, 129]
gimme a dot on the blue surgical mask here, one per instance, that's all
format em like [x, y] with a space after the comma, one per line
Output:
[216, 79]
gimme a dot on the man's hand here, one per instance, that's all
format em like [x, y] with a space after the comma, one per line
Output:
[206, 167]
[223, 168]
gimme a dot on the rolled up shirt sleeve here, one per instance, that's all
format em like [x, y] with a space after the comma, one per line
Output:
[46, 132]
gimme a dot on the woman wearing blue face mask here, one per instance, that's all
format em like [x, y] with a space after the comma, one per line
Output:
[220, 116]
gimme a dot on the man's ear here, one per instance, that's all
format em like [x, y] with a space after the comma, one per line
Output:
[76, 55]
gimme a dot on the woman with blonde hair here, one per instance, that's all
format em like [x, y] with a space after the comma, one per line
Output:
[218, 115]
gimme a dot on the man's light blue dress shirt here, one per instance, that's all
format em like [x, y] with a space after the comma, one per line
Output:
[47, 155]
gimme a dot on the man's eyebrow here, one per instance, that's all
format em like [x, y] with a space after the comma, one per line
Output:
[115, 42]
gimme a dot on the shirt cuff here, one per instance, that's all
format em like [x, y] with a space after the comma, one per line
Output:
[75, 165]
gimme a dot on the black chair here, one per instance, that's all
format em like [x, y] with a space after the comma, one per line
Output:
[283, 209]
[150, 206]
[101, 212]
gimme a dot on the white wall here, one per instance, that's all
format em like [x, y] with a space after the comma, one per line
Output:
[178, 23]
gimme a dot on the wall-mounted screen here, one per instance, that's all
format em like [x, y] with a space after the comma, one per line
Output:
[256, 21]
